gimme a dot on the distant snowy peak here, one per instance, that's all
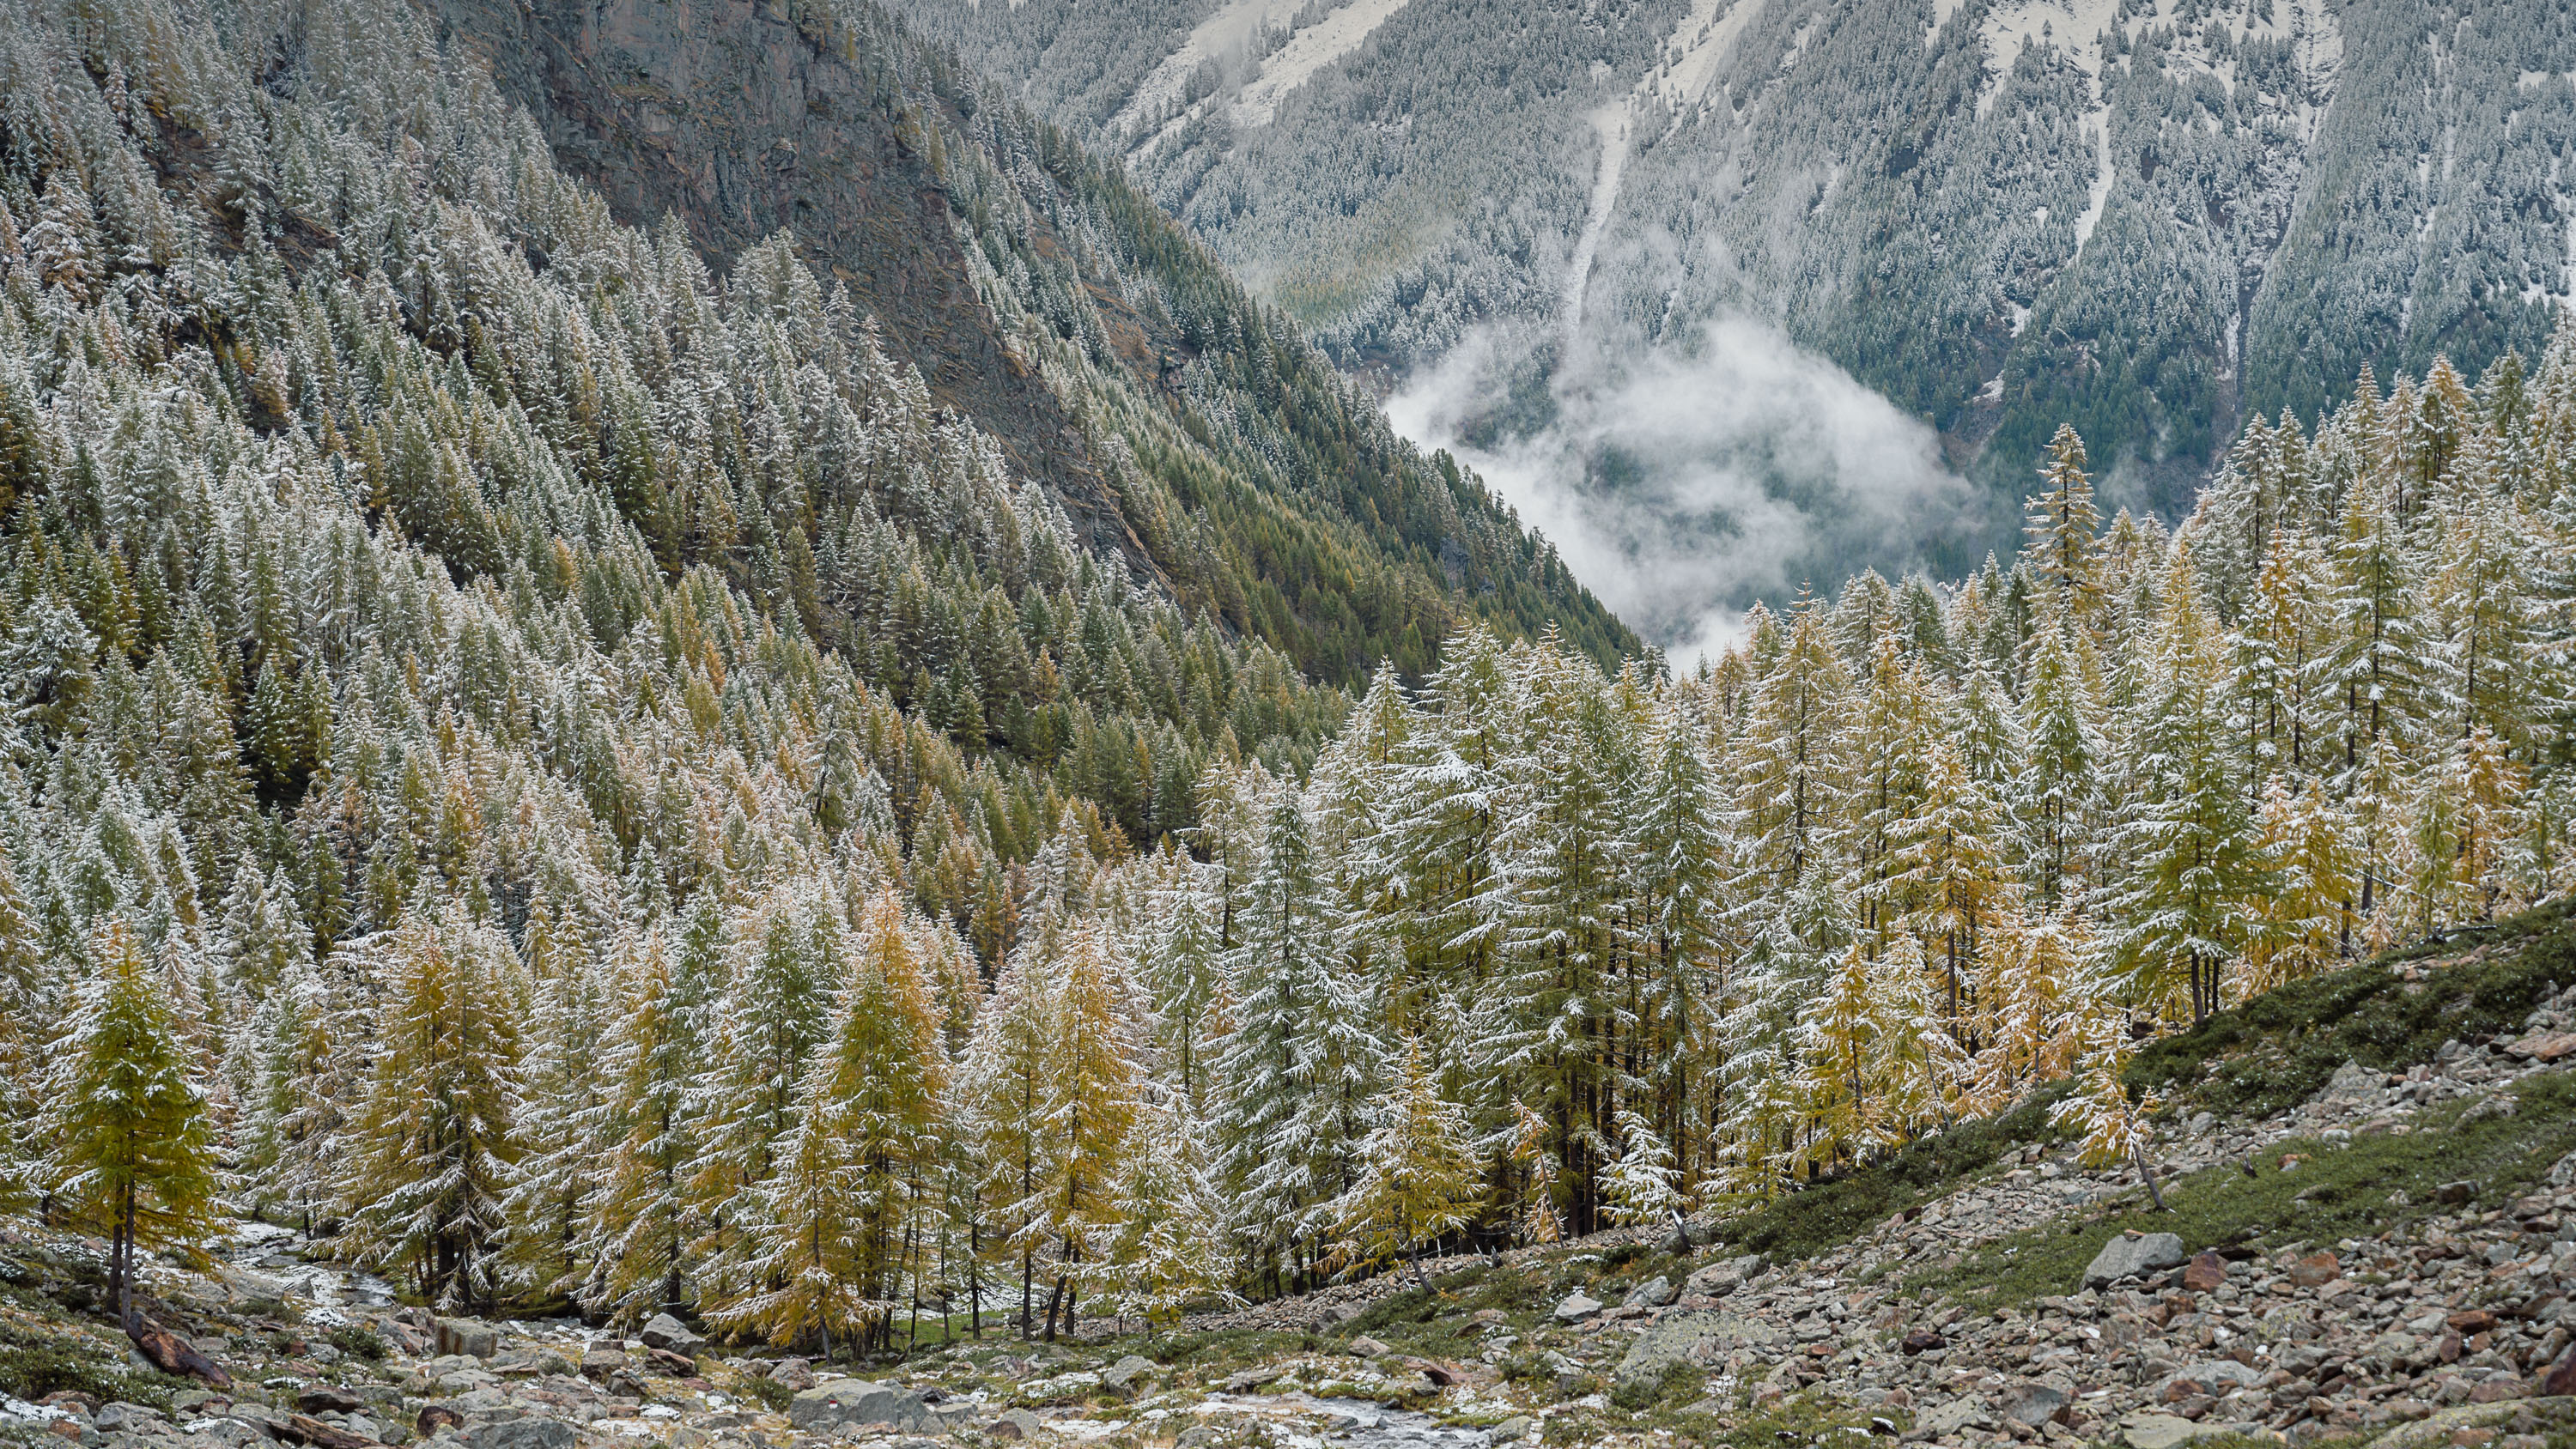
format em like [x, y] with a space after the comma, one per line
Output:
[2156, 217]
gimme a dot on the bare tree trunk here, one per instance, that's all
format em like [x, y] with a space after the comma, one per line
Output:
[120, 1268]
[2139, 1156]
[1055, 1300]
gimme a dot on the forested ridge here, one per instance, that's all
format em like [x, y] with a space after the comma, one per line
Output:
[2151, 218]
[1182, 424]
[568, 773]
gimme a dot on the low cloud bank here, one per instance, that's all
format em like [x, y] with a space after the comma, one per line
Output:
[1682, 490]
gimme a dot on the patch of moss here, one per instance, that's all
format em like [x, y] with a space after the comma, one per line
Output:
[1827, 1214]
[1679, 1383]
[2357, 1189]
[772, 1394]
[32, 1367]
[358, 1342]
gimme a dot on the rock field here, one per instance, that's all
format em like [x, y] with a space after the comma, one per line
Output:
[2452, 1326]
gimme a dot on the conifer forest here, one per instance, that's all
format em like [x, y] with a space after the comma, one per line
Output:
[559, 763]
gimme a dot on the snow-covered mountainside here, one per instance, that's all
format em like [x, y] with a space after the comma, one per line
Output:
[2154, 218]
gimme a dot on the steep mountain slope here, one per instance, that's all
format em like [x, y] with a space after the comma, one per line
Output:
[1176, 419]
[2152, 217]
[568, 763]
[2152, 221]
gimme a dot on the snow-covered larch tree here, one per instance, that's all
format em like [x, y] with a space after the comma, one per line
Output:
[1419, 1179]
[431, 1145]
[131, 1147]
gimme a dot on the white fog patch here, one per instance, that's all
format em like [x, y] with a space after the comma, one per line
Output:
[1681, 490]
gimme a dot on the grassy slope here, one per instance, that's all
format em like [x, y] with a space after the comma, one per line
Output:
[2359, 1189]
[2279, 1048]
[2255, 1059]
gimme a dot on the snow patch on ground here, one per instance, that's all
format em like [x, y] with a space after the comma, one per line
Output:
[2072, 26]
[1611, 122]
[1224, 34]
[1691, 54]
[2098, 195]
[1308, 51]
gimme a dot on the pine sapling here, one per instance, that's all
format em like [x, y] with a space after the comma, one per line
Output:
[2114, 1124]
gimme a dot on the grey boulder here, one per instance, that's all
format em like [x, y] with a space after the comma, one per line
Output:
[2133, 1255]
[1128, 1374]
[1577, 1307]
[668, 1332]
[1696, 1336]
[1018, 1424]
[1946, 1420]
[518, 1434]
[848, 1403]
[1719, 1279]
[2209, 1373]
[120, 1417]
[468, 1337]
[1655, 1292]
[231, 1433]
[2032, 1405]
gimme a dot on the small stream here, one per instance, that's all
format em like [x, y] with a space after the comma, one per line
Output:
[266, 1261]
[1354, 1422]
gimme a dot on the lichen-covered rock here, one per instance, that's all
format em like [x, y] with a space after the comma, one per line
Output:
[2133, 1255]
[826, 1409]
[1696, 1336]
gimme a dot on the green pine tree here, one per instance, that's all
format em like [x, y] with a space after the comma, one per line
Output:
[133, 1150]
